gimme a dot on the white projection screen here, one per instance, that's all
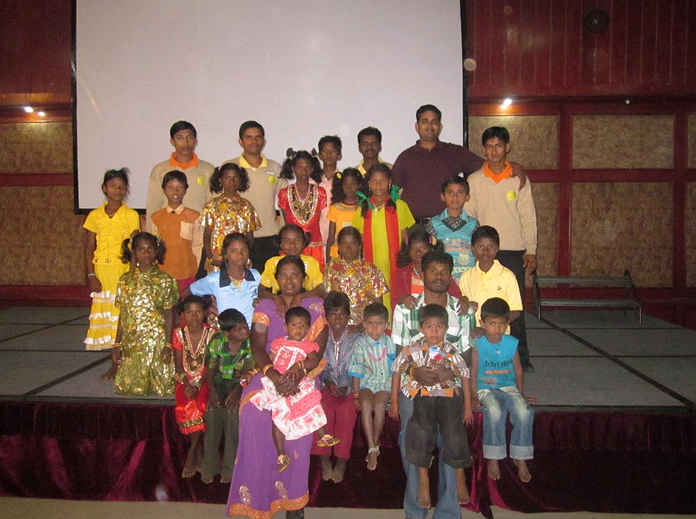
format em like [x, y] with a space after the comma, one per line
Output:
[303, 69]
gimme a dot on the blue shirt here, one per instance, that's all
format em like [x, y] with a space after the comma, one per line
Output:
[218, 284]
[495, 368]
[455, 235]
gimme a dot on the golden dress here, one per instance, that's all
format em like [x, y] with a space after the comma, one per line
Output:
[143, 298]
[356, 279]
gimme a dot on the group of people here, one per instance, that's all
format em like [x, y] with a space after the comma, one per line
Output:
[283, 298]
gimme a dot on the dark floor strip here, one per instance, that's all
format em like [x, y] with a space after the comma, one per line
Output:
[691, 405]
[40, 329]
[65, 377]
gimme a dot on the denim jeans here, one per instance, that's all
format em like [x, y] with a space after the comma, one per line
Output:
[497, 403]
[447, 505]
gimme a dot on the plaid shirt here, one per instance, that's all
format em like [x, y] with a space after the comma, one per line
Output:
[405, 329]
[418, 355]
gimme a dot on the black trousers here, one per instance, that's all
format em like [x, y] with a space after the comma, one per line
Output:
[262, 250]
[514, 260]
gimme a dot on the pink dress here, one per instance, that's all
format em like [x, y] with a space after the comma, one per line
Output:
[300, 414]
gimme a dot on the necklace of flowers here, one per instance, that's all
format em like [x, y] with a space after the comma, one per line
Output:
[381, 356]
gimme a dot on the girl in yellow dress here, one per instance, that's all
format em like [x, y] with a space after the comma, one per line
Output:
[383, 220]
[146, 297]
[105, 229]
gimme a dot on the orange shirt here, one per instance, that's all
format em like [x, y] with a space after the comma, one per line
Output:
[181, 231]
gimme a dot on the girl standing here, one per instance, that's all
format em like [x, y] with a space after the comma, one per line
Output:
[227, 213]
[359, 279]
[189, 344]
[302, 202]
[344, 195]
[105, 229]
[146, 297]
[383, 220]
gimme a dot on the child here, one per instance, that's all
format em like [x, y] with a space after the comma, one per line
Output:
[235, 286]
[336, 396]
[370, 371]
[498, 200]
[292, 240]
[189, 344]
[498, 384]
[408, 281]
[488, 278]
[146, 297]
[360, 280]
[383, 220]
[453, 227]
[437, 407]
[344, 198]
[227, 213]
[229, 365]
[330, 148]
[180, 229]
[300, 414]
[105, 229]
[302, 202]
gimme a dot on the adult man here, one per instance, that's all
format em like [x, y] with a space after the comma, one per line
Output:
[183, 137]
[263, 179]
[421, 169]
[437, 274]
[369, 146]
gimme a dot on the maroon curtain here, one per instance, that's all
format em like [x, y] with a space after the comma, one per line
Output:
[595, 461]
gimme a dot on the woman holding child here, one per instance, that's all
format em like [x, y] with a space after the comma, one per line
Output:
[258, 489]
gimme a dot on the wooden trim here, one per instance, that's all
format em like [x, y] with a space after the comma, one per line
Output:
[45, 295]
[36, 179]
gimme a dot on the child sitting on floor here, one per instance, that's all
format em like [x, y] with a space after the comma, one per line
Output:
[300, 414]
[437, 407]
[497, 383]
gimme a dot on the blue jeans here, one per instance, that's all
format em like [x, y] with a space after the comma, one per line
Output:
[447, 505]
[496, 405]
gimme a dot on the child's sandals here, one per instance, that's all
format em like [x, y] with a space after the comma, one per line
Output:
[372, 461]
[327, 441]
[283, 462]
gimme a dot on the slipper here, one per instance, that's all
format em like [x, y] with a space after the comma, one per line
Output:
[283, 462]
[328, 441]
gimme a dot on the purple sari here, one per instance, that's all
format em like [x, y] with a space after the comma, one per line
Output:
[257, 489]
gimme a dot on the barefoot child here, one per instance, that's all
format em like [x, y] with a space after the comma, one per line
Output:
[189, 344]
[105, 229]
[497, 383]
[370, 371]
[146, 297]
[228, 364]
[300, 414]
[437, 407]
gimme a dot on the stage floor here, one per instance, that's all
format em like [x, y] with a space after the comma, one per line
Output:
[584, 360]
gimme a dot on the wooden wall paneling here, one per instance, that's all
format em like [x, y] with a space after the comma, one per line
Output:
[681, 159]
[565, 190]
[618, 25]
[499, 64]
[573, 46]
[520, 35]
[648, 30]
[679, 44]
[558, 53]
[600, 52]
[689, 42]
[542, 37]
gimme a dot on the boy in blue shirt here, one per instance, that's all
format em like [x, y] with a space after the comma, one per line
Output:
[497, 383]
[453, 227]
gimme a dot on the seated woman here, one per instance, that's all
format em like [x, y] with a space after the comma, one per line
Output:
[257, 489]
[408, 279]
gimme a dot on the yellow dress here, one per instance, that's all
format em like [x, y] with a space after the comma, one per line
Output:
[143, 297]
[342, 215]
[380, 250]
[103, 316]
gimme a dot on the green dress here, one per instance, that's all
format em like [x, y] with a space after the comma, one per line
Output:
[142, 298]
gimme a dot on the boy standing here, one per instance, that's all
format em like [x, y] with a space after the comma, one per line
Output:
[497, 383]
[330, 152]
[488, 278]
[498, 200]
[453, 227]
[181, 231]
[435, 407]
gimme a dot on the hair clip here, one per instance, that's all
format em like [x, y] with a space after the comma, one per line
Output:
[289, 153]
[314, 152]
[338, 175]
[460, 174]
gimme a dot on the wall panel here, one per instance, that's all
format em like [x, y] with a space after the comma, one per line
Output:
[36, 148]
[690, 226]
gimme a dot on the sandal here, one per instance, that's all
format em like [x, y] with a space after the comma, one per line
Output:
[375, 451]
[328, 441]
[282, 463]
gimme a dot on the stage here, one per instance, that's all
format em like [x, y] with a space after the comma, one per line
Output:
[615, 424]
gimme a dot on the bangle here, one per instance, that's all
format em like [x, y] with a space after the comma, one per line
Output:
[116, 345]
[267, 367]
[167, 345]
[305, 371]
[91, 274]
[301, 363]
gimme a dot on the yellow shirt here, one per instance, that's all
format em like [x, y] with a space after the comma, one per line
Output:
[499, 281]
[342, 215]
[313, 278]
[111, 232]
[362, 170]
